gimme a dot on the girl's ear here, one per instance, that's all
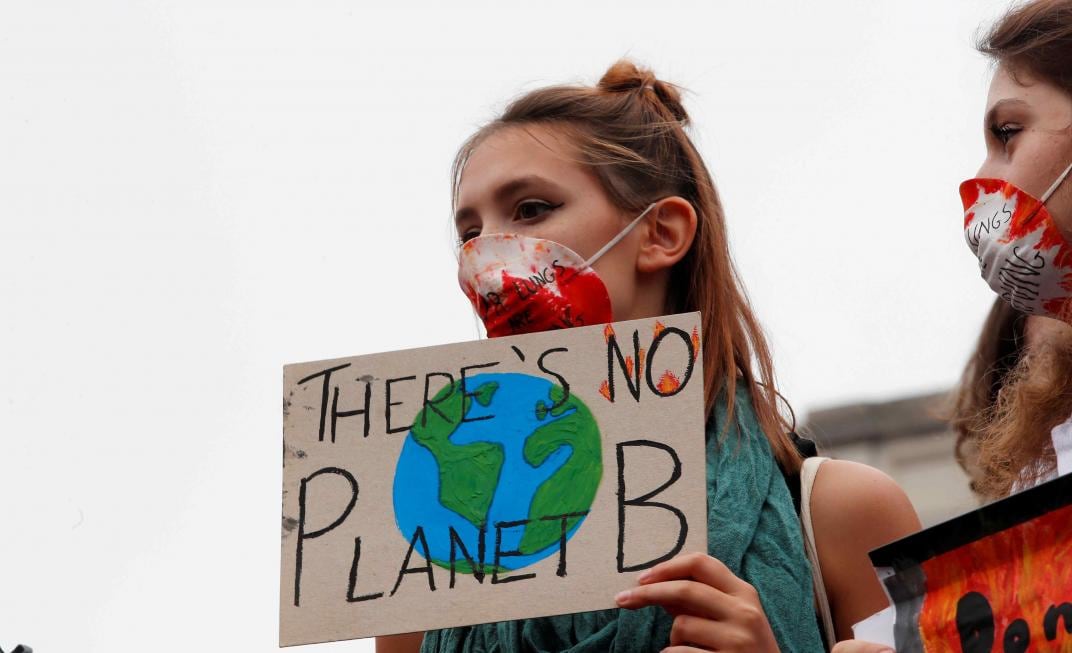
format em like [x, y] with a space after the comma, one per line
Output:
[667, 234]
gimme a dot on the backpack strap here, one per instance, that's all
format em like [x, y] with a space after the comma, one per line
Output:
[808, 471]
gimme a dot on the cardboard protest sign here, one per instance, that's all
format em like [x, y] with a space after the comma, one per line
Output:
[485, 481]
[995, 579]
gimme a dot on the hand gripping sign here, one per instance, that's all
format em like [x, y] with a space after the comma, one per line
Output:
[484, 481]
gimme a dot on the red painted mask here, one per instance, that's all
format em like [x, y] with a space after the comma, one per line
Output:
[519, 284]
[1022, 254]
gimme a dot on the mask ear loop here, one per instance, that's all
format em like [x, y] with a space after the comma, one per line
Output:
[625, 232]
[1049, 193]
[1053, 187]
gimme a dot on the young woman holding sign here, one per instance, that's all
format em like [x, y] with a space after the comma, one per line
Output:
[604, 183]
[1018, 222]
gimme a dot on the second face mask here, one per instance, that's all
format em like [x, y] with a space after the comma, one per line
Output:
[1022, 254]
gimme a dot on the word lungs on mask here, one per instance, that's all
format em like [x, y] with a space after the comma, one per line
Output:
[520, 284]
[1022, 253]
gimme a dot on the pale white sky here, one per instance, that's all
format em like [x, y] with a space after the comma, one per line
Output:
[194, 193]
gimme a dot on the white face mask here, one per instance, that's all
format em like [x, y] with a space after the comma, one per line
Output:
[519, 284]
[1021, 252]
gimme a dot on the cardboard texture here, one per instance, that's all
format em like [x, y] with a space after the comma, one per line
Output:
[492, 480]
[996, 578]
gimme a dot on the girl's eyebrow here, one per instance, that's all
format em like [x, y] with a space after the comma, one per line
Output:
[463, 214]
[999, 105]
[505, 191]
[515, 186]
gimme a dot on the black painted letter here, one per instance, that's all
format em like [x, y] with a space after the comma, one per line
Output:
[302, 535]
[418, 535]
[642, 501]
[1049, 622]
[500, 554]
[566, 520]
[613, 351]
[651, 361]
[353, 577]
[975, 623]
[457, 543]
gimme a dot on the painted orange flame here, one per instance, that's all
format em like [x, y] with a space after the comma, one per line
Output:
[696, 341]
[668, 382]
[608, 332]
[1022, 571]
[659, 326]
[604, 389]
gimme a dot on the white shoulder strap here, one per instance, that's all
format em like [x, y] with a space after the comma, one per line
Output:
[808, 472]
[1062, 446]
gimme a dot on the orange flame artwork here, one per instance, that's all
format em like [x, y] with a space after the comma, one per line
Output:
[996, 579]
[668, 382]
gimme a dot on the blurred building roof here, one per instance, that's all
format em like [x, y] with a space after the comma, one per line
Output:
[878, 421]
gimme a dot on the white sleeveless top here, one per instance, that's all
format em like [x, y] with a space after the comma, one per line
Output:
[1061, 437]
[808, 471]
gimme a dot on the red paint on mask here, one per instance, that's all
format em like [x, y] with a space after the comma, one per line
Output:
[530, 305]
[1061, 307]
[971, 190]
[1029, 216]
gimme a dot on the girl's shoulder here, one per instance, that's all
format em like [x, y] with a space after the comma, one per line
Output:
[861, 500]
[856, 508]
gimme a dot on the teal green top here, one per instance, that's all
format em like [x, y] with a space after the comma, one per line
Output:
[752, 528]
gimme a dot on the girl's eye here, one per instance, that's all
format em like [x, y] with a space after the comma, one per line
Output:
[1005, 133]
[532, 209]
[468, 235]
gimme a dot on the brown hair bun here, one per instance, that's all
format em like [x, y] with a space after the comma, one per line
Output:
[624, 76]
